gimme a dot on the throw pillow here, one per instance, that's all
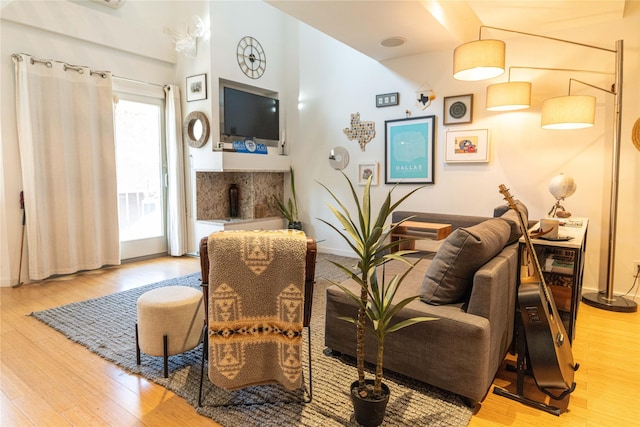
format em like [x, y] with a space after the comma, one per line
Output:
[449, 277]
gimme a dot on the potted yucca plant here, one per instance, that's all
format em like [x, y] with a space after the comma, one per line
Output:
[290, 209]
[367, 237]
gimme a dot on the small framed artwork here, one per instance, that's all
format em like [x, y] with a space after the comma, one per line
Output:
[409, 150]
[458, 109]
[366, 170]
[196, 87]
[467, 146]
[387, 99]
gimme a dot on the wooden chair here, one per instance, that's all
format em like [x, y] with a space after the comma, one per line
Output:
[310, 266]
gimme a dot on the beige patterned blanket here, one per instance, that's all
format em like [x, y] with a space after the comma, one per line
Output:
[256, 300]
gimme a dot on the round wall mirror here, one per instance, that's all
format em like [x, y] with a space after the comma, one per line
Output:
[196, 129]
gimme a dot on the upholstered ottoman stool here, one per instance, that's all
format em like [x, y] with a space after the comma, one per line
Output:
[170, 321]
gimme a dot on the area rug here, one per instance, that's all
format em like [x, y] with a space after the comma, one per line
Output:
[106, 326]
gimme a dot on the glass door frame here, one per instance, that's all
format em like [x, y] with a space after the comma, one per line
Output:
[151, 246]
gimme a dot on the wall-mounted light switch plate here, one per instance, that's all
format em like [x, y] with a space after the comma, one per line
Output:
[387, 99]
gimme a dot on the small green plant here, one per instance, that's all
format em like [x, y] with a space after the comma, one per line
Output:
[290, 209]
[368, 240]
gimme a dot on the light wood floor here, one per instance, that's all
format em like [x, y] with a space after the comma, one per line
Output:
[47, 380]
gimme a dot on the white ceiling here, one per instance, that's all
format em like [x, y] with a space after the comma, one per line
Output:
[431, 25]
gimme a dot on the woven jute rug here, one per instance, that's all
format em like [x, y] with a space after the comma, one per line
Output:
[106, 326]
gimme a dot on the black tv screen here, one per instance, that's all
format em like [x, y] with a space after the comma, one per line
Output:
[250, 115]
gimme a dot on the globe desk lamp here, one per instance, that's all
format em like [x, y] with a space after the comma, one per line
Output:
[561, 187]
[485, 59]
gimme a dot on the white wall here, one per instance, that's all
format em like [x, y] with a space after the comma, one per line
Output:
[336, 81]
[230, 22]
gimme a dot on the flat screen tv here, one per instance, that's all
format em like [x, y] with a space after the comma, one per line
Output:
[250, 115]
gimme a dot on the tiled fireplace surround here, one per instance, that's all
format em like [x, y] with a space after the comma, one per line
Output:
[256, 191]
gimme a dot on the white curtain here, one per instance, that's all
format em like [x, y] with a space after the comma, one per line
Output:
[67, 156]
[176, 200]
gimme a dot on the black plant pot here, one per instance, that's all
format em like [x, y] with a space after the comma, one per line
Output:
[369, 412]
[295, 225]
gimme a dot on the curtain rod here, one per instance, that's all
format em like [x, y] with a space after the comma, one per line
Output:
[78, 68]
[138, 81]
[66, 66]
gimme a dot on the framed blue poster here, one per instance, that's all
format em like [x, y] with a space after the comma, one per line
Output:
[409, 150]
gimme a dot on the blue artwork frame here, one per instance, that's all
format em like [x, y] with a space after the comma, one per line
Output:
[409, 150]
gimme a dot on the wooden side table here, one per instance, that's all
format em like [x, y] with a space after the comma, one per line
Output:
[415, 230]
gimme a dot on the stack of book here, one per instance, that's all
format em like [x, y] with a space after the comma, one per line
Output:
[558, 262]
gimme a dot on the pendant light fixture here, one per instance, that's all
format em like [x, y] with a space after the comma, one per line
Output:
[508, 96]
[479, 60]
[569, 112]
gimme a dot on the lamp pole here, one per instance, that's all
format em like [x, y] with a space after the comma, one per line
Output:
[605, 299]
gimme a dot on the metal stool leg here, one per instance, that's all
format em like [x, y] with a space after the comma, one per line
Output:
[165, 345]
[137, 346]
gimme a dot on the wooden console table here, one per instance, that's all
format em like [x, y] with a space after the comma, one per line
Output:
[415, 230]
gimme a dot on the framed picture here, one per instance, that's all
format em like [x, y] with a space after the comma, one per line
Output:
[458, 109]
[387, 99]
[467, 146]
[409, 150]
[196, 87]
[366, 170]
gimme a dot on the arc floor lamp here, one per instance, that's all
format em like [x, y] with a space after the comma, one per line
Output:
[485, 59]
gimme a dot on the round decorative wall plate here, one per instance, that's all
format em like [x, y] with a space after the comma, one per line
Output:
[251, 57]
[339, 158]
[457, 110]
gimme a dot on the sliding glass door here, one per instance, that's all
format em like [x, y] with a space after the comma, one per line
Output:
[141, 173]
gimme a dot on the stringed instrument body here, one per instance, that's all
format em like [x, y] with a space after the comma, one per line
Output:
[549, 350]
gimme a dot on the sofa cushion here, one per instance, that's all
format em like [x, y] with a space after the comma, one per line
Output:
[505, 212]
[450, 275]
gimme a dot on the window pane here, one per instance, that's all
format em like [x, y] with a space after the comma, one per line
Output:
[139, 160]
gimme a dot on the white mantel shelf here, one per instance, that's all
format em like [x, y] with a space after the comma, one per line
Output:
[228, 161]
